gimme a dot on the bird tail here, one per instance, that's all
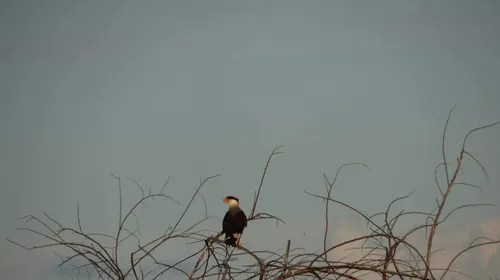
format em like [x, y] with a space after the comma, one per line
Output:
[230, 240]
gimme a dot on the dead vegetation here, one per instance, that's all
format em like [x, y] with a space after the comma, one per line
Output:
[385, 254]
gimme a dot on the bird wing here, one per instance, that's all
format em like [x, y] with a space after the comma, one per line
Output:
[226, 221]
[243, 217]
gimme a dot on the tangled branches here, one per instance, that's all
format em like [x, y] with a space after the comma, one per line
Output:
[385, 254]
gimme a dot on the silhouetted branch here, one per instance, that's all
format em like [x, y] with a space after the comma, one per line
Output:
[256, 198]
[382, 252]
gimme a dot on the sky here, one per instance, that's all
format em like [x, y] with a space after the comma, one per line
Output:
[190, 89]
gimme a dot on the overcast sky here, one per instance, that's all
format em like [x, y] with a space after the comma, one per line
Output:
[191, 89]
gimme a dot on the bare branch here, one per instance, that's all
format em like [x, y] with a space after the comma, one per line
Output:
[256, 199]
[443, 148]
[380, 252]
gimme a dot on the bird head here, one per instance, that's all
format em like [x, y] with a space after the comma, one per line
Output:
[232, 201]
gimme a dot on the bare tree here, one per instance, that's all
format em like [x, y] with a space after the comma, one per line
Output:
[384, 253]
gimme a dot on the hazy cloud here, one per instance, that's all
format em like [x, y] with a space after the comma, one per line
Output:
[481, 262]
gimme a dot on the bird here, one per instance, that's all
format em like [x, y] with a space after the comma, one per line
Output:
[234, 222]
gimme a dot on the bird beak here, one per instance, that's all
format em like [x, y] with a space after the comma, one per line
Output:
[226, 200]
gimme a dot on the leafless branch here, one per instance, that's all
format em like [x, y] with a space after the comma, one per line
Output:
[382, 251]
[257, 195]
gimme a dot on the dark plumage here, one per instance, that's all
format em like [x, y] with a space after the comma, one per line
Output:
[234, 221]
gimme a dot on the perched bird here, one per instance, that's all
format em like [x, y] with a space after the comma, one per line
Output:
[234, 221]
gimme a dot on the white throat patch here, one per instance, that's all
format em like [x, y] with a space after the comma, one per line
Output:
[233, 203]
